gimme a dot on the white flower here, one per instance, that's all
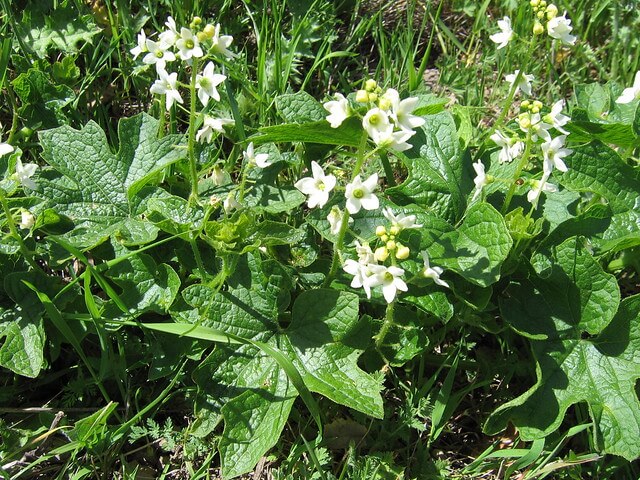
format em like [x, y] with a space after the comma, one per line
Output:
[335, 219]
[480, 180]
[338, 110]
[375, 122]
[217, 176]
[220, 43]
[394, 140]
[360, 194]
[539, 186]
[142, 45]
[169, 37]
[188, 45]
[505, 35]
[158, 55]
[360, 272]
[402, 111]
[317, 187]
[560, 29]
[388, 278]
[511, 148]
[524, 82]
[210, 125]
[230, 203]
[556, 118]
[27, 220]
[365, 254]
[167, 85]
[632, 93]
[553, 152]
[5, 148]
[207, 83]
[24, 174]
[432, 272]
[260, 160]
[400, 221]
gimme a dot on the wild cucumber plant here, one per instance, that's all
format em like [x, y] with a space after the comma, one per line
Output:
[313, 256]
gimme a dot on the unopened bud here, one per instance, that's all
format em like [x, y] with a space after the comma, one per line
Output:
[525, 104]
[362, 96]
[380, 230]
[384, 103]
[217, 175]
[209, 30]
[403, 252]
[538, 29]
[381, 254]
[391, 245]
[373, 97]
[540, 14]
[534, 3]
[370, 85]
[394, 230]
[202, 36]
[196, 20]
[384, 238]
[552, 12]
[27, 220]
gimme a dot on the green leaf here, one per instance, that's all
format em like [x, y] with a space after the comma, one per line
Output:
[174, 215]
[322, 341]
[348, 134]
[598, 169]
[42, 102]
[253, 422]
[62, 28]
[585, 346]
[101, 191]
[300, 108]
[272, 199]
[24, 339]
[435, 169]
[478, 248]
[145, 286]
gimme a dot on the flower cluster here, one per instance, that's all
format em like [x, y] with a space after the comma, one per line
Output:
[538, 128]
[175, 47]
[557, 27]
[370, 270]
[388, 121]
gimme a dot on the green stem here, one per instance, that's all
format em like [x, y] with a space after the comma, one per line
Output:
[388, 171]
[193, 165]
[337, 247]
[386, 326]
[516, 176]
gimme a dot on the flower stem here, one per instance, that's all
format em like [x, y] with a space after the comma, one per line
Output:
[386, 326]
[337, 247]
[193, 165]
[521, 165]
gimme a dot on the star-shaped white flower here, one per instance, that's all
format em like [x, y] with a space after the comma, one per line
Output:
[24, 174]
[210, 125]
[317, 186]
[387, 277]
[360, 194]
[230, 203]
[142, 45]
[402, 111]
[261, 160]
[158, 55]
[480, 180]
[220, 43]
[5, 148]
[505, 35]
[511, 148]
[533, 122]
[167, 85]
[375, 122]
[556, 118]
[432, 272]
[632, 93]
[338, 110]
[207, 82]
[539, 186]
[169, 37]
[401, 221]
[524, 82]
[560, 29]
[554, 152]
[360, 272]
[188, 45]
[27, 220]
